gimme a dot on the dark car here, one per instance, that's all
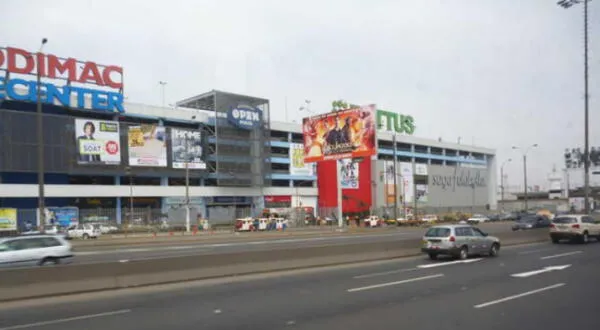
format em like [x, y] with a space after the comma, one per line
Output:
[531, 222]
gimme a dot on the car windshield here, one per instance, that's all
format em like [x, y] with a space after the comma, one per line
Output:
[438, 232]
[565, 220]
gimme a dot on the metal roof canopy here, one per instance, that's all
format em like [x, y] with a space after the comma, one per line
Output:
[206, 101]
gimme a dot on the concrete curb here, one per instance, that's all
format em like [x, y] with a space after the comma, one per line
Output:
[20, 284]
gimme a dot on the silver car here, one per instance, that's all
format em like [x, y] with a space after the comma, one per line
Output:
[31, 250]
[459, 241]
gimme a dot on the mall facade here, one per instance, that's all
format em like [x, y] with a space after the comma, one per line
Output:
[117, 161]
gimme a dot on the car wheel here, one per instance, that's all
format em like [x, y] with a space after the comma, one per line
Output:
[464, 253]
[585, 238]
[49, 261]
[433, 256]
[494, 250]
[85, 236]
[555, 240]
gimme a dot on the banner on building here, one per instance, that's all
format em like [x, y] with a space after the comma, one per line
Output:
[421, 169]
[347, 133]
[62, 216]
[186, 145]
[349, 174]
[388, 184]
[421, 193]
[147, 146]
[408, 183]
[97, 142]
[8, 219]
[297, 164]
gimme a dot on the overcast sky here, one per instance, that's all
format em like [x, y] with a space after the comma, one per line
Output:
[496, 73]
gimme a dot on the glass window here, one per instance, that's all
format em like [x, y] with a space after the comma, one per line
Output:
[464, 231]
[438, 232]
[4, 247]
[477, 232]
[50, 242]
[565, 220]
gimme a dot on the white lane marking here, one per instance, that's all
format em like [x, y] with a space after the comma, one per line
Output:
[386, 273]
[561, 255]
[534, 251]
[439, 264]
[65, 320]
[521, 295]
[541, 271]
[395, 283]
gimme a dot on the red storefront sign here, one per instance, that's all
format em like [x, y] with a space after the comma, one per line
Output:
[278, 199]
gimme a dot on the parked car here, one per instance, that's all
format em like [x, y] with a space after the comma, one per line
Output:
[477, 218]
[459, 241]
[578, 227]
[531, 222]
[31, 250]
[84, 231]
[430, 218]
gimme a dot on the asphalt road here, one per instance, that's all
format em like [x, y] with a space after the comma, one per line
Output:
[91, 254]
[512, 291]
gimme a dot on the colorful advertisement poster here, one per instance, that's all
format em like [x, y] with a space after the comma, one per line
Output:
[342, 134]
[297, 164]
[187, 146]
[408, 182]
[147, 145]
[62, 216]
[348, 174]
[8, 219]
[421, 193]
[97, 142]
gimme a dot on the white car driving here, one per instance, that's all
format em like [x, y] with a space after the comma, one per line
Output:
[34, 250]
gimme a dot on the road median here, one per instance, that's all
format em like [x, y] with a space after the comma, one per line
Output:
[16, 284]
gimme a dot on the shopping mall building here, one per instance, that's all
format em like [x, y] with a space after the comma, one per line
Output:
[104, 157]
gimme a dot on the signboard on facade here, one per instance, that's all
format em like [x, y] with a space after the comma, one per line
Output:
[186, 146]
[349, 172]
[297, 164]
[98, 142]
[245, 117]
[457, 186]
[343, 134]
[386, 120]
[421, 169]
[147, 145]
[75, 77]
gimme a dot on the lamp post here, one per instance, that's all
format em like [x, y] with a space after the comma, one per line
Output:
[130, 175]
[40, 142]
[586, 172]
[502, 181]
[162, 84]
[525, 151]
[395, 177]
[187, 183]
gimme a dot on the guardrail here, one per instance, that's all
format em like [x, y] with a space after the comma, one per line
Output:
[16, 284]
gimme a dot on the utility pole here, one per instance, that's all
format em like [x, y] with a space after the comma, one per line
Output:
[395, 176]
[525, 151]
[502, 181]
[128, 170]
[568, 4]
[40, 146]
[187, 184]
[163, 84]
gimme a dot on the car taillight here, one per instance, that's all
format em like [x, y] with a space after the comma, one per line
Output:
[576, 226]
[552, 225]
[452, 239]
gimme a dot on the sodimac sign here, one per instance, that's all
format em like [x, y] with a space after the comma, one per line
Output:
[20, 65]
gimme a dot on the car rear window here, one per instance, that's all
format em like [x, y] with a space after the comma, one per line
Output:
[564, 220]
[438, 232]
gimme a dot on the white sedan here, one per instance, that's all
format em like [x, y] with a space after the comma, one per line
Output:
[478, 218]
[31, 250]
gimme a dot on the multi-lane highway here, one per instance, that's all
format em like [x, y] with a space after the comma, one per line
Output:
[539, 286]
[90, 252]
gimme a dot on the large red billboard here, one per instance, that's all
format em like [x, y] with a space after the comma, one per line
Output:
[349, 133]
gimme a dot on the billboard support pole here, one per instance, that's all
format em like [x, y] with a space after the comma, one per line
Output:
[339, 212]
[395, 177]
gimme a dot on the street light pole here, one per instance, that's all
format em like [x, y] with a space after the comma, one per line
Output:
[130, 175]
[163, 84]
[525, 196]
[502, 181]
[395, 177]
[40, 142]
[586, 168]
[187, 184]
